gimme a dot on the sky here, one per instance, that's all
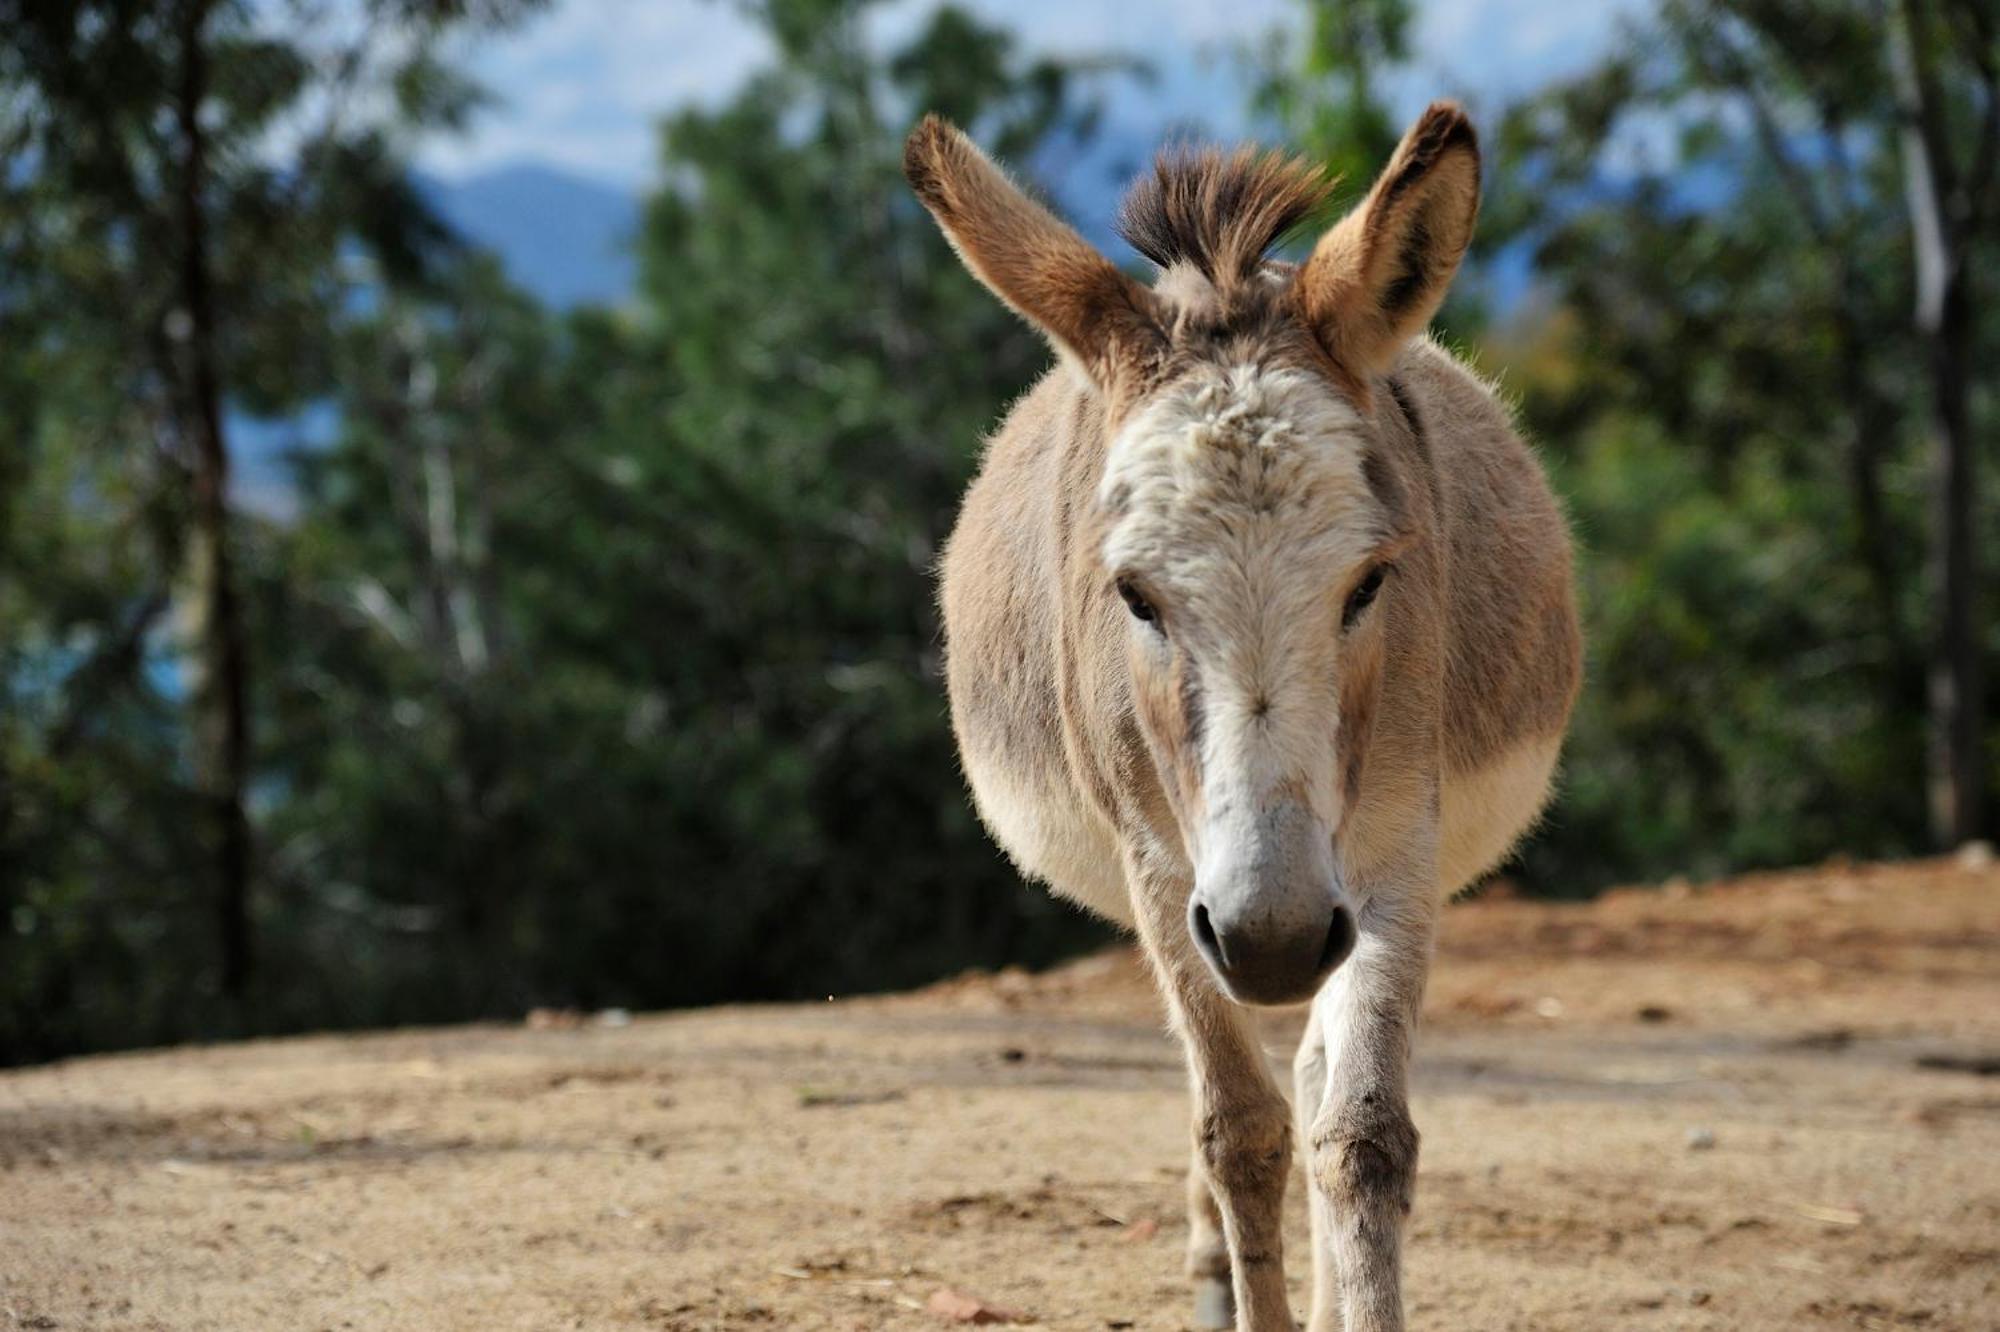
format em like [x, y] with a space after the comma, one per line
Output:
[582, 87]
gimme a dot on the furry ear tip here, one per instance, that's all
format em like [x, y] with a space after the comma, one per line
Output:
[921, 153]
[1444, 126]
[932, 127]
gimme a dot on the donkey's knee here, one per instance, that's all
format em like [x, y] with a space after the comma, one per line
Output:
[1363, 1157]
[1246, 1153]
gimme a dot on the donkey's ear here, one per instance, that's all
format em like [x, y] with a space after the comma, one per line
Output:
[1378, 276]
[1030, 259]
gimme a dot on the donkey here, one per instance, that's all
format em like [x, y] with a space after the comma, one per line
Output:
[1261, 640]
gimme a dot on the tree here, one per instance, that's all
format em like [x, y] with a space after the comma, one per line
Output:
[1716, 212]
[185, 183]
[1320, 85]
[608, 665]
[1945, 65]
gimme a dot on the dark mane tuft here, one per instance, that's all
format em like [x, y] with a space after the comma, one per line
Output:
[1220, 210]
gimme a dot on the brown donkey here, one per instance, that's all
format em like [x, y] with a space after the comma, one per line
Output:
[1262, 641]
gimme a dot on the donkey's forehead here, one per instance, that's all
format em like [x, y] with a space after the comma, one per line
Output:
[1254, 434]
[1239, 469]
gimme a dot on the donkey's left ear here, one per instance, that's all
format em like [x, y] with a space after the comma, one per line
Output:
[1030, 258]
[1374, 281]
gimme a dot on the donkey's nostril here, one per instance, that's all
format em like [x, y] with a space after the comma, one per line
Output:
[1339, 940]
[1204, 934]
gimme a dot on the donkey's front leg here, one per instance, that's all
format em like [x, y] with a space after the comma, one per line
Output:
[1361, 1144]
[1242, 1123]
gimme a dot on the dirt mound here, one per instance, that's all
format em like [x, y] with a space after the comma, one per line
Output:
[1762, 1103]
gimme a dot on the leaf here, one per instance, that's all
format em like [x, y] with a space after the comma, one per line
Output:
[958, 1307]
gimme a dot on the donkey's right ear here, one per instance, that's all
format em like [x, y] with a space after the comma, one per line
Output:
[1031, 259]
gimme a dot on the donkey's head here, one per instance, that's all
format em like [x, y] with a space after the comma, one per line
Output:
[1247, 519]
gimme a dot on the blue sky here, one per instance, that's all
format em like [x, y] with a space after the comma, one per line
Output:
[583, 86]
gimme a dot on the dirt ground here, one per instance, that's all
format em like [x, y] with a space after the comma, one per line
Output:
[1766, 1104]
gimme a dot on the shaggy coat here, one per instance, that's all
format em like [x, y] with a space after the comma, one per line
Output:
[1259, 611]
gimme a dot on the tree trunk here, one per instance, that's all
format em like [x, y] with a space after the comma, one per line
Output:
[1956, 688]
[1873, 421]
[1945, 329]
[223, 718]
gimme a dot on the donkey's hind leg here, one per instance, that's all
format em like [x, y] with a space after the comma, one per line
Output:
[1309, 1074]
[1208, 1253]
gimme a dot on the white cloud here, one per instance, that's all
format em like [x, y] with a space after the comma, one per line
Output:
[584, 86]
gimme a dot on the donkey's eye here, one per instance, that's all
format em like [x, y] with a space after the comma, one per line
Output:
[1136, 602]
[1362, 597]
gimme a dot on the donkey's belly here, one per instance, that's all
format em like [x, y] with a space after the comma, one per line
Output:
[1042, 822]
[1486, 811]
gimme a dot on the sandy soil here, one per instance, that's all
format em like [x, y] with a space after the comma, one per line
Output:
[1766, 1104]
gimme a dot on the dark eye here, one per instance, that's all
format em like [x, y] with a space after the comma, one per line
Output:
[1135, 602]
[1362, 597]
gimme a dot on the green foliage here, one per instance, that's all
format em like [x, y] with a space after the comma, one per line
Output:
[107, 896]
[1320, 85]
[1722, 363]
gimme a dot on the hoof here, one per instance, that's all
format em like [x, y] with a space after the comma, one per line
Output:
[1214, 1303]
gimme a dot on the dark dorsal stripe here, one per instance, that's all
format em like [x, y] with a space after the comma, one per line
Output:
[1404, 404]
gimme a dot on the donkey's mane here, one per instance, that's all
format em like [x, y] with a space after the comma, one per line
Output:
[1220, 210]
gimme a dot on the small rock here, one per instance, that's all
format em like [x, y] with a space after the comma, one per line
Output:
[1700, 1139]
[1975, 856]
[1548, 1006]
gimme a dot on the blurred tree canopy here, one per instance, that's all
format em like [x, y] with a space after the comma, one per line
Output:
[597, 663]
[594, 660]
[621, 677]
[183, 184]
[1726, 365]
